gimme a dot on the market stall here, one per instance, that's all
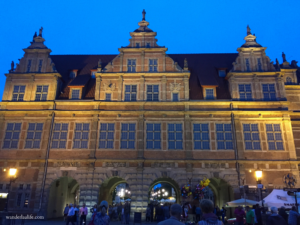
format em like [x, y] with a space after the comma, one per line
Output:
[241, 202]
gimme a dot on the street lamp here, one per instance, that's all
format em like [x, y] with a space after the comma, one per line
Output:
[12, 177]
[258, 174]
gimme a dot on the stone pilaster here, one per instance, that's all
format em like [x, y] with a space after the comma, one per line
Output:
[289, 142]
[93, 136]
[256, 88]
[97, 88]
[186, 88]
[120, 88]
[142, 88]
[239, 137]
[121, 61]
[233, 88]
[52, 94]
[164, 88]
[30, 92]
[7, 88]
[188, 137]
[142, 61]
[140, 137]
[280, 87]
[164, 62]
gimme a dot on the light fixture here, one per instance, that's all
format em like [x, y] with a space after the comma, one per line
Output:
[166, 193]
[250, 171]
[258, 174]
[12, 172]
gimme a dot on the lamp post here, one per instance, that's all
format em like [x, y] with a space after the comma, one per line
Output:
[258, 175]
[12, 177]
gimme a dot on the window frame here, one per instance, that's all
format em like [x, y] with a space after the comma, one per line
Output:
[247, 64]
[152, 93]
[153, 66]
[128, 139]
[34, 134]
[251, 135]
[213, 93]
[224, 135]
[245, 91]
[137, 44]
[136, 93]
[201, 140]
[108, 99]
[259, 64]
[79, 94]
[131, 66]
[176, 93]
[41, 92]
[269, 93]
[40, 65]
[28, 67]
[106, 139]
[60, 131]
[81, 132]
[18, 93]
[153, 139]
[12, 135]
[274, 132]
[182, 133]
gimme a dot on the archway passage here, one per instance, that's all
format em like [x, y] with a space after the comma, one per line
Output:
[63, 191]
[223, 191]
[164, 190]
[114, 190]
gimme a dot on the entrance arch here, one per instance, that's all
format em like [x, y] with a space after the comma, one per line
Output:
[223, 191]
[108, 189]
[164, 185]
[64, 190]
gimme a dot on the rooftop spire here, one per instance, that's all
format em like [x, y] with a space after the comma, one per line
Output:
[144, 14]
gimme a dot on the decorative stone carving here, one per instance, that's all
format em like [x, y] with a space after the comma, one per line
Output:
[109, 86]
[175, 86]
[115, 164]
[67, 164]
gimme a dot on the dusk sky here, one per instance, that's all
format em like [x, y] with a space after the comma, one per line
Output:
[101, 27]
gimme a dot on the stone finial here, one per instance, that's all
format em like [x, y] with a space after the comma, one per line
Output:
[144, 14]
[12, 66]
[41, 31]
[283, 57]
[35, 35]
[248, 30]
[100, 64]
[277, 64]
[185, 67]
[294, 63]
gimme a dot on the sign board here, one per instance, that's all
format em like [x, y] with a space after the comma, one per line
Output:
[260, 186]
[137, 217]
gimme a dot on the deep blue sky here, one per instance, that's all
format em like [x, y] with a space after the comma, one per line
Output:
[190, 26]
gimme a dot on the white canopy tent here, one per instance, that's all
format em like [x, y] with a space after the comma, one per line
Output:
[278, 198]
[241, 202]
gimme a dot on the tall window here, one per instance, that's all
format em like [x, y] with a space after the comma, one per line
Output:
[247, 64]
[23, 199]
[209, 93]
[269, 92]
[288, 80]
[75, 94]
[175, 97]
[201, 136]
[130, 92]
[72, 74]
[274, 136]
[18, 93]
[107, 96]
[222, 73]
[148, 45]
[152, 65]
[40, 65]
[128, 135]
[59, 138]
[34, 135]
[251, 136]
[131, 65]
[175, 136]
[12, 134]
[41, 93]
[245, 91]
[106, 139]
[153, 136]
[28, 65]
[81, 135]
[152, 92]
[137, 45]
[259, 64]
[93, 74]
[224, 136]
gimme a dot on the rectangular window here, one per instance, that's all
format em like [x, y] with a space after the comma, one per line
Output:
[75, 94]
[28, 65]
[275, 141]
[72, 74]
[247, 65]
[106, 139]
[12, 134]
[251, 136]
[21, 186]
[152, 65]
[1, 186]
[201, 136]
[93, 74]
[131, 65]
[81, 135]
[60, 132]
[28, 187]
[245, 91]
[18, 93]
[34, 135]
[41, 93]
[7, 186]
[40, 65]
[175, 136]
[147, 45]
[152, 92]
[19, 199]
[222, 73]
[128, 135]
[137, 45]
[26, 200]
[130, 92]
[209, 93]
[269, 92]
[224, 136]
[107, 96]
[153, 136]
[259, 64]
[175, 97]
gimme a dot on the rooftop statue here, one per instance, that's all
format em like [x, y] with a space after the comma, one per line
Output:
[144, 14]
[41, 31]
[12, 66]
[283, 57]
[248, 30]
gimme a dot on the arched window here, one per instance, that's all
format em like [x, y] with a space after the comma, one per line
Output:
[288, 80]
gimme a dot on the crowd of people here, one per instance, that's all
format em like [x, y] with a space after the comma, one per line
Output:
[206, 214]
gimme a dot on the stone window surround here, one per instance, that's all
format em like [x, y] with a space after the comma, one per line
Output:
[193, 135]
[137, 90]
[183, 135]
[23, 193]
[209, 87]
[41, 91]
[157, 65]
[24, 95]
[276, 91]
[81, 131]
[161, 139]
[76, 88]
[178, 94]
[135, 135]
[114, 138]
[145, 91]
[61, 122]
[259, 136]
[282, 136]
[136, 62]
[34, 131]
[251, 88]
[3, 139]
[106, 94]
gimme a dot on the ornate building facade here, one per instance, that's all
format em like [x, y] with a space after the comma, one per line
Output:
[75, 126]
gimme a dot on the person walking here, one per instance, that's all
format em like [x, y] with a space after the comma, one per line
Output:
[293, 216]
[160, 214]
[83, 213]
[101, 217]
[249, 216]
[240, 215]
[148, 213]
[66, 210]
[198, 213]
[208, 218]
[175, 216]
[166, 211]
[275, 219]
[283, 213]
[71, 214]
[76, 216]
[119, 211]
[127, 212]
[258, 214]
[223, 213]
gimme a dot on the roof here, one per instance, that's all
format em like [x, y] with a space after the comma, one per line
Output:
[203, 68]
